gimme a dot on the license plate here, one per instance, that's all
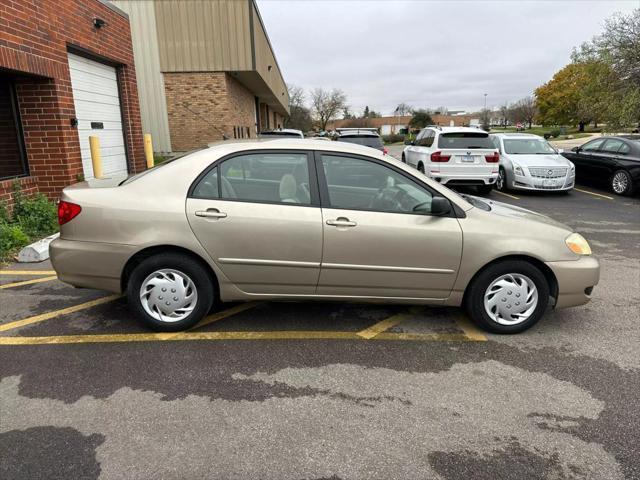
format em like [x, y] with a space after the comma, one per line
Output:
[467, 158]
[550, 183]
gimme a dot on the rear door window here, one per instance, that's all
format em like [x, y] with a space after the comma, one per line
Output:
[465, 140]
[612, 145]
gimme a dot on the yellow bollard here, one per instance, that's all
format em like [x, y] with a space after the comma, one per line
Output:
[148, 150]
[96, 158]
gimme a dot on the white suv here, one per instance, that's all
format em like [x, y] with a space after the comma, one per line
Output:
[455, 156]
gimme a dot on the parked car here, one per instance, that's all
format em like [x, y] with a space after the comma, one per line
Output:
[281, 133]
[300, 220]
[529, 162]
[367, 137]
[455, 156]
[611, 160]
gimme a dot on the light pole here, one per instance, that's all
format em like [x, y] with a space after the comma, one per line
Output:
[485, 101]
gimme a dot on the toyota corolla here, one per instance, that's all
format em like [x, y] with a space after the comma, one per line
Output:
[305, 220]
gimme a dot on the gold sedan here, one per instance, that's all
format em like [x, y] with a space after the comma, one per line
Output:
[309, 220]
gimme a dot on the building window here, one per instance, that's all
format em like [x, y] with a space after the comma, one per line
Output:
[12, 160]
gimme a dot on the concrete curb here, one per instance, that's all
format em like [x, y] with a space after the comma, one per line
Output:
[37, 251]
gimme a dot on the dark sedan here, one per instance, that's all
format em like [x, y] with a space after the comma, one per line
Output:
[614, 160]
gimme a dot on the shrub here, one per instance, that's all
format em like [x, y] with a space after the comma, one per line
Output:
[37, 216]
[555, 133]
[393, 138]
[11, 238]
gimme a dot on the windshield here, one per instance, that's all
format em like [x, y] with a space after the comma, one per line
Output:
[373, 142]
[465, 140]
[527, 146]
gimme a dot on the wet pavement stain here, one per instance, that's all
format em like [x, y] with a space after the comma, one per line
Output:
[50, 453]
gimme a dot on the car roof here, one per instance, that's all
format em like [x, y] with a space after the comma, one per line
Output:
[356, 132]
[455, 129]
[282, 130]
[287, 143]
[515, 135]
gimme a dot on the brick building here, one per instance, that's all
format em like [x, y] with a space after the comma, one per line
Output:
[66, 71]
[206, 71]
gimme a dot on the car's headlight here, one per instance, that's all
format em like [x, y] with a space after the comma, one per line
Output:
[572, 167]
[578, 244]
[517, 169]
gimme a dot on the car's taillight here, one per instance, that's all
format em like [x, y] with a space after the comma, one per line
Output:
[384, 150]
[67, 211]
[438, 157]
[493, 158]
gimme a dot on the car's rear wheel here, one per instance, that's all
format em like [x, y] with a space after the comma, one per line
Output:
[421, 167]
[508, 297]
[170, 292]
[501, 182]
[404, 159]
[622, 183]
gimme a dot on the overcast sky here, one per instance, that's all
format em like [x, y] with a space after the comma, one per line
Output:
[429, 53]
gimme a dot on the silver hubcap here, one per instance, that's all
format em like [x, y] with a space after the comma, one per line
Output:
[168, 295]
[620, 182]
[511, 299]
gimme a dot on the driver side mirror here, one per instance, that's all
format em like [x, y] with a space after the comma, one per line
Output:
[409, 142]
[440, 206]
[575, 149]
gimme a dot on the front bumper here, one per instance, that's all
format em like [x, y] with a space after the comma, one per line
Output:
[90, 264]
[529, 182]
[576, 279]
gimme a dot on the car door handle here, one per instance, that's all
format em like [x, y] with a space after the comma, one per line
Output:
[210, 213]
[341, 222]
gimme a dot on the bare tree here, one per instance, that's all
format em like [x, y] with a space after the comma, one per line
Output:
[403, 110]
[525, 110]
[326, 105]
[504, 115]
[485, 119]
[299, 114]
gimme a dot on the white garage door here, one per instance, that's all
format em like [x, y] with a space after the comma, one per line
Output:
[97, 102]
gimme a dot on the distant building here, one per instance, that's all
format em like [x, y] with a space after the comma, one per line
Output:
[206, 71]
[396, 124]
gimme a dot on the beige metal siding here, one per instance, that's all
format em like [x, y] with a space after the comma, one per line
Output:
[151, 92]
[265, 58]
[203, 35]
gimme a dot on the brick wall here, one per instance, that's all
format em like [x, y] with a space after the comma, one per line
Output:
[204, 106]
[34, 37]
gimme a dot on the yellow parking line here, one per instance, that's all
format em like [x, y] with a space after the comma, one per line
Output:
[27, 272]
[593, 193]
[194, 336]
[381, 326]
[470, 330]
[224, 314]
[506, 194]
[56, 313]
[27, 282]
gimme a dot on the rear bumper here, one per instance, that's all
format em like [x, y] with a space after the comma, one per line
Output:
[576, 279]
[90, 264]
[458, 179]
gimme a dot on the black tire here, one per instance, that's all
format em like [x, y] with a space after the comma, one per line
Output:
[182, 263]
[484, 189]
[629, 189]
[474, 298]
[421, 167]
[404, 159]
[505, 186]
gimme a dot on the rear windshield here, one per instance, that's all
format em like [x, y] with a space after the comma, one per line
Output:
[369, 141]
[465, 140]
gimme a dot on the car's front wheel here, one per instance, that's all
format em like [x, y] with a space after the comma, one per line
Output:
[507, 297]
[501, 182]
[622, 183]
[170, 292]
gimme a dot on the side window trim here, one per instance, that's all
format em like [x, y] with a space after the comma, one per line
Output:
[311, 166]
[325, 201]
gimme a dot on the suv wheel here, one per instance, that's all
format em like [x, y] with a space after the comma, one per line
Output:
[170, 292]
[622, 183]
[501, 182]
[404, 159]
[421, 167]
[508, 297]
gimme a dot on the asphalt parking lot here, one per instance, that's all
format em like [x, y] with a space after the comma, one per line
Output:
[306, 390]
